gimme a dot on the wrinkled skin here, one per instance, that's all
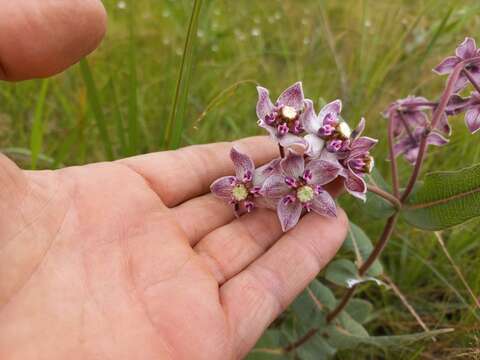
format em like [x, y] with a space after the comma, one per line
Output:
[134, 259]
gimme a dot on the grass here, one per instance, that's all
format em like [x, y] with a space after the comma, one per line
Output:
[129, 99]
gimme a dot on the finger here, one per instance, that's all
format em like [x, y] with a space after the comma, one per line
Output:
[230, 248]
[256, 296]
[179, 175]
[39, 38]
[201, 215]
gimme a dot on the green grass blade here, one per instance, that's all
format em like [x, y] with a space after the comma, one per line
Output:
[132, 119]
[94, 101]
[36, 138]
[173, 132]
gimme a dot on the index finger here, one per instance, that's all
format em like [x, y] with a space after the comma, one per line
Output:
[179, 175]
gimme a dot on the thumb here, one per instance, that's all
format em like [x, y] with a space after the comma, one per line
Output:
[39, 38]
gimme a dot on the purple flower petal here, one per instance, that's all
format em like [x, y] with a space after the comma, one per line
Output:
[289, 213]
[472, 119]
[334, 107]
[243, 164]
[275, 187]
[466, 49]
[444, 125]
[265, 171]
[362, 145]
[323, 172]
[293, 165]
[264, 104]
[436, 139]
[222, 187]
[461, 83]
[311, 123]
[293, 96]
[359, 129]
[315, 145]
[356, 186]
[292, 141]
[323, 204]
[411, 155]
[447, 65]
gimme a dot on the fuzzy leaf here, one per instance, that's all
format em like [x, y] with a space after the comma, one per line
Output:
[445, 199]
[360, 310]
[360, 244]
[313, 304]
[344, 341]
[269, 347]
[316, 348]
[341, 271]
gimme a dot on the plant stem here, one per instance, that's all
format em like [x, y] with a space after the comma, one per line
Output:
[377, 251]
[346, 298]
[439, 111]
[380, 245]
[310, 333]
[385, 195]
[469, 76]
[393, 162]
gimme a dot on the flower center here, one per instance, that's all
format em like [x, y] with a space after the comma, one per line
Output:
[239, 192]
[344, 130]
[305, 194]
[289, 113]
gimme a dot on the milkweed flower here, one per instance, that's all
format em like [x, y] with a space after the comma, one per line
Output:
[472, 114]
[242, 189]
[284, 119]
[465, 51]
[409, 144]
[299, 188]
[325, 129]
[357, 162]
[410, 112]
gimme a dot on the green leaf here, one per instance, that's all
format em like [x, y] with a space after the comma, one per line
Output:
[360, 310]
[445, 199]
[376, 206]
[343, 341]
[269, 347]
[360, 244]
[316, 348]
[313, 304]
[341, 271]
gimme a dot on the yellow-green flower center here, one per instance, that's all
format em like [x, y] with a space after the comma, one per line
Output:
[305, 194]
[239, 192]
[289, 113]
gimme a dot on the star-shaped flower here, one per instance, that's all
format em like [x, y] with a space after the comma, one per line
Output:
[284, 119]
[298, 188]
[465, 51]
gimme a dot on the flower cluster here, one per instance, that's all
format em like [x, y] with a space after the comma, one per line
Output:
[409, 119]
[319, 148]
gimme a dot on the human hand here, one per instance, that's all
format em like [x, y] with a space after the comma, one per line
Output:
[133, 259]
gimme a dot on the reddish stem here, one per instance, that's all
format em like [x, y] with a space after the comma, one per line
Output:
[439, 111]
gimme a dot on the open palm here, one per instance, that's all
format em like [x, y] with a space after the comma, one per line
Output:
[135, 260]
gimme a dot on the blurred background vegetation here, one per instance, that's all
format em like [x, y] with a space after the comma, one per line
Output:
[366, 52]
